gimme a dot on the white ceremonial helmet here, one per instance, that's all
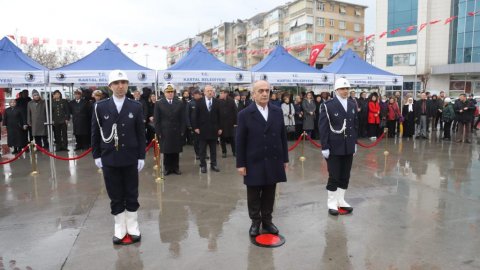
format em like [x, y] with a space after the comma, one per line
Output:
[117, 75]
[341, 83]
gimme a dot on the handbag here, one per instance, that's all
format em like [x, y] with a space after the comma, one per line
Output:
[291, 127]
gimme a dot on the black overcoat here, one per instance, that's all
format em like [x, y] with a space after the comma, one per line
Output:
[170, 125]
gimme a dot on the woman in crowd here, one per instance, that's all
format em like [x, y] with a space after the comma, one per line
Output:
[308, 106]
[448, 114]
[288, 116]
[16, 124]
[373, 116]
[298, 116]
[150, 123]
[408, 119]
[393, 116]
[318, 102]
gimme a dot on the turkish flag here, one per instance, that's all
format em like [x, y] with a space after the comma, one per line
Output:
[135, 45]
[316, 49]
[350, 40]
[449, 20]
[410, 28]
[423, 25]
[394, 31]
[369, 37]
[473, 13]
[45, 41]
[36, 41]
[145, 44]
[23, 40]
[79, 42]
[434, 22]
[59, 42]
[12, 37]
[383, 34]
[69, 42]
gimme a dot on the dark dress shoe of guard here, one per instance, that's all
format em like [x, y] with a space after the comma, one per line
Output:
[177, 172]
[254, 229]
[135, 238]
[269, 228]
[203, 169]
[14, 152]
[224, 155]
[345, 210]
[333, 212]
[167, 172]
[214, 168]
[116, 241]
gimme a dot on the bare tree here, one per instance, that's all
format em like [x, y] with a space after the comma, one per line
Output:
[370, 51]
[424, 79]
[51, 59]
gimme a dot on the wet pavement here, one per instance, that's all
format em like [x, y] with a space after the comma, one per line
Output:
[416, 208]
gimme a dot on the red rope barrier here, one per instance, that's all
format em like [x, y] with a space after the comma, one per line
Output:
[41, 149]
[373, 144]
[17, 156]
[314, 142]
[149, 145]
[296, 143]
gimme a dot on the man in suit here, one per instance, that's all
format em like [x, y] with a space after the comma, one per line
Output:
[169, 115]
[206, 124]
[80, 110]
[228, 112]
[422, 111]
[338, 127]
[262, 156]
[118, 142]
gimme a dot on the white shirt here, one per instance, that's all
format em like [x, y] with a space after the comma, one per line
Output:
[118, 102]
[343, 101]
[208, 104]
[263, 111]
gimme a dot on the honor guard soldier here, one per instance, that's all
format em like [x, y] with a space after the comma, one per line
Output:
[338, 127]
[118, 142]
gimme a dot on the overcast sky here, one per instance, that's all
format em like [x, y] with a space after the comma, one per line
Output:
[157, 22]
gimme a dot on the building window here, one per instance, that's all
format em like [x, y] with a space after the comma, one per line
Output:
[321, 22]
[358, 13]
[356, 27]
[342, 25]
[342, 10]
[320, 37]
[332, 22]
[332, 7]
[330, 37]
[402, 14]
[401, 59]
[321, 6]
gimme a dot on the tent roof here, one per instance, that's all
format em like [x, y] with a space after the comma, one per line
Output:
[12, 58]
[352, 63]
[199, 58]
[106, 57]
[279, 60]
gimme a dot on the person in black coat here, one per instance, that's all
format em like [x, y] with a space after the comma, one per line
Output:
[262, 156]
[228, 112]
[190, 114]
[16, 124]
[362, 103]
[338, 125]
[118, 142]
[22, 104]
[207, 124]
[408, 119]
[81, 117]
[169, 116]
[464, 111]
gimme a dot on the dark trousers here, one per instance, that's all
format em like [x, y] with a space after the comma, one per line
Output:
[82, 141]
[391, 125]
[60, 132]
[122, 188]
[212, 144]
[149, 133]
[437, 120]
[224, 141]
[171, 161]
[298, 130]
[464, 131]
[446, 129]
[42, 141]
[260, 200]
[373, 130]
[196, 144]
[362, 126]
[339, 168]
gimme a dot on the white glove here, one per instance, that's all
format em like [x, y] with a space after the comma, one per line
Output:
[141, 163]
[356, 148]
[98, 163]
[326, 153]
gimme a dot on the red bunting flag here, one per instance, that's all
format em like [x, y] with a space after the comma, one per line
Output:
[383, 34]
[156, 46]
[369, 37]
[360, 39]
[473, 13]
[97, 41]
[410, 28]
[449, 20]
[145, 44]
[316, 49]
[23, 40]
[88, 42]
[11, 37]
[79, 42]
[435, 21]
[394, 31]
[135, 45]
[59, 42]
[45, 41]
[36, 41]
[70, 42]
[125, 44]
[422, 26]
[350, 40]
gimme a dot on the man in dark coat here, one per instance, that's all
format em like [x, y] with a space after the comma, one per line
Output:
[464, 110]
[262, 156]
[207, 124]
[118, 142]
[60, 117]
[362, 115]
[190, 114]
[22, 103]
[16, 123]
[37, 119]
[228, 112]
[422, 110]
[169, 115]
[81, 118]
[338, 126]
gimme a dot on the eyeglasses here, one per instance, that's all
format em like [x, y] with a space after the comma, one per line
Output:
[261, 91]
[120, 82]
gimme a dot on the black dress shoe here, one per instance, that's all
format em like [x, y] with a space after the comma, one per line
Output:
[203, 169]
[345, 210]
[214, 168]
[269, 228]
[135, 238]
[254, 229]
[197, 158]
[224, 155]
[333, 212]
[207, 157]
[116, 241]
[167, 172]
[177, 172]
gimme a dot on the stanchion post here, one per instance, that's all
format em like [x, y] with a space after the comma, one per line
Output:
[385, 153]
[33, 158]
[303, 158]
[158, 165]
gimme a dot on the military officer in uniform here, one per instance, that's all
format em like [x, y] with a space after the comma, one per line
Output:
[118, 142]
[169, 115]
[338, 128]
